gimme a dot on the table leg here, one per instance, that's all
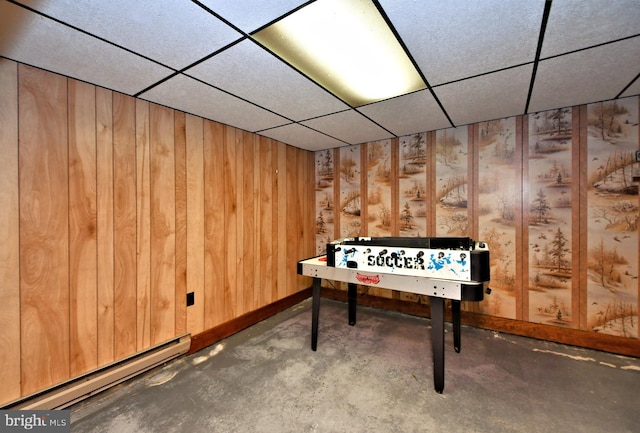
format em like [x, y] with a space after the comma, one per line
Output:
[353, 302]
[437, 342]
[315, 312]
[455, 310]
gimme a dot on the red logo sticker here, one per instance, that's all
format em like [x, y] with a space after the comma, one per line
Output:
[368, 279]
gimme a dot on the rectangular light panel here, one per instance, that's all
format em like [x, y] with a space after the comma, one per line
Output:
[346, 47]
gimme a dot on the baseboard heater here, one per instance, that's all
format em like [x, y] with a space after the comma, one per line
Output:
[77, 389]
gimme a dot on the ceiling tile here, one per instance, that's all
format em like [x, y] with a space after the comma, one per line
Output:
[261, 12]
[175, 33]
[577, 24]
[487, 97]
[585, 76]
[349, 126]
[408, 114]
[252, 73]
[634, 88]
[303, 137]
[191, 96]
[38, 41]
[451, 40]
[477, 55]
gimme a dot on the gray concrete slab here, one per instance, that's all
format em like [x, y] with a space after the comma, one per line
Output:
[372, 377]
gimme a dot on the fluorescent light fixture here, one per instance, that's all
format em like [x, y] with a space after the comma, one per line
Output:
[346, 47]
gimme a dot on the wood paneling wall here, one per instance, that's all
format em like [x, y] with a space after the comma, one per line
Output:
[114, 208]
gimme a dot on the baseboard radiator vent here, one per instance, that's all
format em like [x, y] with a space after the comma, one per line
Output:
[78, 389]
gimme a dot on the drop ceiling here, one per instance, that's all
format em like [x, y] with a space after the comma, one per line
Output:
[482, 60]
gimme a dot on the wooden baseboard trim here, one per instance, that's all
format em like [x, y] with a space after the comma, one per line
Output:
[572, 337]
[220, 332]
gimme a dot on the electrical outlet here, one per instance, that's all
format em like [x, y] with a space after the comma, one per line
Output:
[191, 299]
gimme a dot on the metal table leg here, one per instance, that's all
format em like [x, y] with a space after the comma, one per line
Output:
[353, 302]
[437, 342]
[315, 312]
[455, 309]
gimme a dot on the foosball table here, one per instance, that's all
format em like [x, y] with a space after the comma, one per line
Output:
[454, 268]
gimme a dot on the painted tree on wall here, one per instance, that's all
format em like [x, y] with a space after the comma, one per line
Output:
[324, 199]
[379, 188]
[497, 211]
[451, 182]
[413, 185]
[350, 193]
[550, 217]
[613, 214]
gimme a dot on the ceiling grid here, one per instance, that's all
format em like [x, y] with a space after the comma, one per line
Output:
[481, 60]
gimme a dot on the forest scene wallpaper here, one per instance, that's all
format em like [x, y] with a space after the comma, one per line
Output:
[350, 203]
[379, 188]
[554, 194]
[549, 220]
[413, 185]
[452, 167]
[324, 166]
[612, 234]
[497, 211]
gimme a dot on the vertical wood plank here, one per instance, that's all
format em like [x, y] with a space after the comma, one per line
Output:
[215, 232]
[579, 196]
[257, 226]
[9, 233]
[104, 218]
[181, 222]
[522, 131]
[247, 266]
[143, 227]
[274, 219]
[230, 219]
[163, 214]
[44, 229]
[292, 233]
[195, 222]
[301, 213]
[579, 297]
[307, 193]
[124, 216]
[238, 280]
[83, 270]
[281, 237]
[523, 267]
[266, 221]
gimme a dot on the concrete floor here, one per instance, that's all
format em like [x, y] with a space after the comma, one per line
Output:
[373, 377]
